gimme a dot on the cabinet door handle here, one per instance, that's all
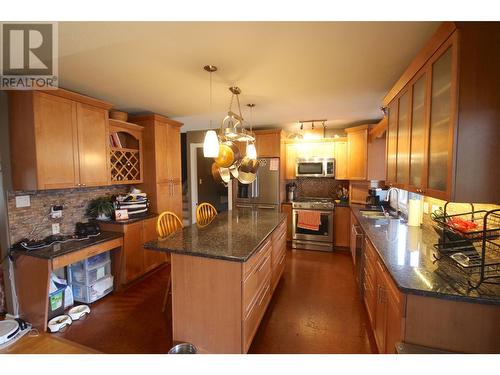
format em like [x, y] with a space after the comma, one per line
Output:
[264, 295]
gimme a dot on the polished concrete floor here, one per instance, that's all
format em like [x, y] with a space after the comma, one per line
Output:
[315, 309]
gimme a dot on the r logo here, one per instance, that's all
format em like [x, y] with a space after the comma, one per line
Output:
[27, 49]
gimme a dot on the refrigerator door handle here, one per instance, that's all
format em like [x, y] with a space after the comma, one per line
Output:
[256, 187]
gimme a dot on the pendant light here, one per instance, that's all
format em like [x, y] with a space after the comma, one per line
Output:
[211, 142]
[251, 152]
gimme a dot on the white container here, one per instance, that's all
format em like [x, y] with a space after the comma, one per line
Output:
[414, 212]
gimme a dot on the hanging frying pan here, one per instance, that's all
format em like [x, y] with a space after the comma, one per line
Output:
[221, 175]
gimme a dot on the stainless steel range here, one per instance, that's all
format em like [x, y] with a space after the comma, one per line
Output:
[306, 237]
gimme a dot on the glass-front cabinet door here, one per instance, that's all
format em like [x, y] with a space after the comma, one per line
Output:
[418, 135]
[392, 142]
[403, 149]
[442, 101]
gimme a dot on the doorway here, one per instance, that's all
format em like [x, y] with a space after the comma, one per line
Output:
[203, 186]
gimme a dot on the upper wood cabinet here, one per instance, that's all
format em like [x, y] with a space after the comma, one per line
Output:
[162, 162]
[341, 160]
[58, 140]
[268, 143]
[357, 152]
[444, 114]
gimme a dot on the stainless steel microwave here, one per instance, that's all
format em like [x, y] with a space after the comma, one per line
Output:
[315, 167]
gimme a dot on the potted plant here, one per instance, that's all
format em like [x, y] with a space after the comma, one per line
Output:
[101, 208]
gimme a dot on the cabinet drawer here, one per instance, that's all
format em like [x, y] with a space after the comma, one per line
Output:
[279, 231]
[279, 248]
[254, 260]
[254, 282]
[278, 270]
[252, 321]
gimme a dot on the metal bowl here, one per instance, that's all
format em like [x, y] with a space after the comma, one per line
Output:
[183, 348]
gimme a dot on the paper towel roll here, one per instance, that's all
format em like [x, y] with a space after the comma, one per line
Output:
[414, 212]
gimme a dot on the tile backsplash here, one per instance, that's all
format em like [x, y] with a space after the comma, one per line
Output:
[319, 187]
[35, 221]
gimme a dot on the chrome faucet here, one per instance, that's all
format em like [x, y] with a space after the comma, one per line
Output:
[388, 198]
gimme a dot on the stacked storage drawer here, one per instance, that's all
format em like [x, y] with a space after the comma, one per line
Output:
[278, 254]
[256, 290]
[91, 278]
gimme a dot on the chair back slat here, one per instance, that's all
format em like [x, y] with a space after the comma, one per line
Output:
[205, 213]
[167, 223]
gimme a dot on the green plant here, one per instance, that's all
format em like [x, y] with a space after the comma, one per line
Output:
[100, 206]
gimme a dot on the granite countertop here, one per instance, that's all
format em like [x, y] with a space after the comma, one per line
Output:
[58, 249]
[128, 221]
[407, 252]
[234, 235]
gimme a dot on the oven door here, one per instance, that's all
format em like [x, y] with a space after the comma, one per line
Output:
[309, 168]
[324, 234]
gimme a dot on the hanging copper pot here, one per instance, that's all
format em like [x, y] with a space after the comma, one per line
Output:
[221, 175]
[229, 153]
[247, 171]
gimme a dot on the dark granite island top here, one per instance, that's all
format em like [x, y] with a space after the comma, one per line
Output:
[233, 235]
[407, 253]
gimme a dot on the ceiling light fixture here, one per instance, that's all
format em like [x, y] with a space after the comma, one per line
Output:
[211, 141]
[251, 151]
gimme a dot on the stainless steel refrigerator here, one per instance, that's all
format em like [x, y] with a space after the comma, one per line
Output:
[264, 192]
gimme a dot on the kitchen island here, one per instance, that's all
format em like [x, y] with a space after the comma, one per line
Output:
[223, 277]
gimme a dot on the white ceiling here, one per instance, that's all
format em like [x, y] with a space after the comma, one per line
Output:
[291, 70]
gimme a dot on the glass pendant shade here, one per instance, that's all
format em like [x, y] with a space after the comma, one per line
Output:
[211, 144]
[251, 151]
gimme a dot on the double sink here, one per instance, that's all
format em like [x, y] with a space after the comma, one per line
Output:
[378, 214]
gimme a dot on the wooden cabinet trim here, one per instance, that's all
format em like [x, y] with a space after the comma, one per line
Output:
[80, 98]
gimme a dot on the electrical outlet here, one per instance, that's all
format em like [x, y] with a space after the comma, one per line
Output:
[426, 208]
[56, 229]
[23, 201]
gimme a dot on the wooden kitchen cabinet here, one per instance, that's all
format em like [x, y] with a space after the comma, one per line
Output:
[357, 152]
[452, 85]
[162, 162]
[341, 226]
[58, 140]
[286, 208]
[341, 161]
[268, 143]
[136, 260]
[383, 301]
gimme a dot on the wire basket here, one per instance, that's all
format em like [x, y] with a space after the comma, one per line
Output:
[474, 250]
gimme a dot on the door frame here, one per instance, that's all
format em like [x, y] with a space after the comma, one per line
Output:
[193, 178]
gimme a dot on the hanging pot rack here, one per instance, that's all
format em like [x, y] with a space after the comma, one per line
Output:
[232, 126]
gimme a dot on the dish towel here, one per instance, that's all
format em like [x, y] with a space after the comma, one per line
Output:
[309, 220]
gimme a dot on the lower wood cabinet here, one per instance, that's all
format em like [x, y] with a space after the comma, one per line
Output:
[384, 303]
[341, 226]
[136, 260]
[286, 208]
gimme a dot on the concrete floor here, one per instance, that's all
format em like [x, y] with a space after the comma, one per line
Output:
[315, 309]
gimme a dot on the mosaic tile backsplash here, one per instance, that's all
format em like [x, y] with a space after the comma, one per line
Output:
[319, 187]
[35, 221]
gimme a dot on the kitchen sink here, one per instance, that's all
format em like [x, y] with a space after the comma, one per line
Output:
[373, 214]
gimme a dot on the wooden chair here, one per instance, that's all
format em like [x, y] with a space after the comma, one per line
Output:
[205, 213]
[167, 223]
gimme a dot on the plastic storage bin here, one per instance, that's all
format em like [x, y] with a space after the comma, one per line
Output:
[90, 270]
[93, 292]
[78, 273]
